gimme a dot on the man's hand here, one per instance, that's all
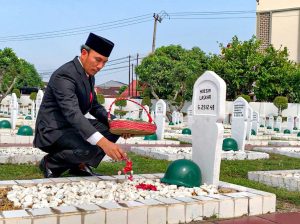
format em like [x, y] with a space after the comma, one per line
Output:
[111, 149]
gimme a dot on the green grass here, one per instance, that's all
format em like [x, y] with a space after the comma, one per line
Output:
[236, 172]
[231, 171]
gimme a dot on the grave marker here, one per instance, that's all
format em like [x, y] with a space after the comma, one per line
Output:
[290, 123]
[209, 95]
[297, 122]
[13, 110]
[278, 123]
[190, 116]
[144, 113]
[271, 122]
[249, 122]
[160, 119]
[39, 98]
[255, 121]
[239, 122]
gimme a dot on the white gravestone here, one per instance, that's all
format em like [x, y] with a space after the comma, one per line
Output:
[262, 121]
[190, 116]
[181, 118]
[209, 95]
[255, 121]
[160, 118]
[38, 102]
[239, 122]
[177, 117]
[144, 113]
[13, 110]
[174, 114]
[152, 114]
[278, 123]
[290, 123]
[249, 122]
[297, 122]
[26, 110]
[33, 109]
[271, 122]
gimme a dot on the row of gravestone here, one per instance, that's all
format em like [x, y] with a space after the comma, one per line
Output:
[13, 109]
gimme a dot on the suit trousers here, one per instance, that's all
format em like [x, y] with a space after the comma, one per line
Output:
[72, 149]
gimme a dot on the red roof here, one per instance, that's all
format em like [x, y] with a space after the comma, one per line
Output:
[133, 92]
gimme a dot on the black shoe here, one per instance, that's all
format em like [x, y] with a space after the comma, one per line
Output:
[48, 173]
[83, 170]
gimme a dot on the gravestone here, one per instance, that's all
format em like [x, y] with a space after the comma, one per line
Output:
[297, 123]
[174, 115]
[278, 123]
[13, 110]
[209, 95]
[26, 110]
[144, 113]
[38, 102]
[177, 117]
[255, 121]
[33, 109]
[181, 118]
[262, 121]
[239, 122]
[249, 122]
[271, 122]
[290, 123]
[160, 118]
[190, 116]
[152, 114]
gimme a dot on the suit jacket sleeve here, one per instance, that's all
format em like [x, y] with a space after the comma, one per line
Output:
[64, 90]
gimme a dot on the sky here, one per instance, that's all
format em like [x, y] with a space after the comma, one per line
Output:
[49, 33]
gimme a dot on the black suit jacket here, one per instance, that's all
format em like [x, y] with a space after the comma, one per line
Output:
[66, 100]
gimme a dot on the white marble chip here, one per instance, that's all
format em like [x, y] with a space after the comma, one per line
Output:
[87, 192]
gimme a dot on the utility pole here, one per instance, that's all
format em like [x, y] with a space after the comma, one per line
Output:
[157, 17]
[136, 76]
[132, 90]
[129, 74]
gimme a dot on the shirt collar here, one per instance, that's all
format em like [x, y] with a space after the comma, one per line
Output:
[82, 67]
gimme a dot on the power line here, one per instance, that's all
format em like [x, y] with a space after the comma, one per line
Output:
[118, 24]
[38, 37]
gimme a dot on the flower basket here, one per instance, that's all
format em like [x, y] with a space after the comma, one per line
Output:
[136, 128]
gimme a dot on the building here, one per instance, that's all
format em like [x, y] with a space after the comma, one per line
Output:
[109, 89]
[278, 23]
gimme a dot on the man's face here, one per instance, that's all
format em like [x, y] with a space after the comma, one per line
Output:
[92, 61]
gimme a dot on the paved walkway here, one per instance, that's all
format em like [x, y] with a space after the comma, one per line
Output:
[278, 218]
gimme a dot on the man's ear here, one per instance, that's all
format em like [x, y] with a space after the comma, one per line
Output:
[84, 52]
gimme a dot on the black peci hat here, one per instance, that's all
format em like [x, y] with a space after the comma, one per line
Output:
[99, 44]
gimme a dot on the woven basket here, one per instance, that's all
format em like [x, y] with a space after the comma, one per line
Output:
[136, 128]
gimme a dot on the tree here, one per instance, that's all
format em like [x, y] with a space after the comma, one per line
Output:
[238, 65]
[246, 97]
[30, 76]
[100, 99]
[146, 101]
[281, 102]
[246, 69]
[122, 89]
[120, 111]
[17, 92]
[33, 96]
[16, 73]
[274, 74]
[9, 71]
[170, 73]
